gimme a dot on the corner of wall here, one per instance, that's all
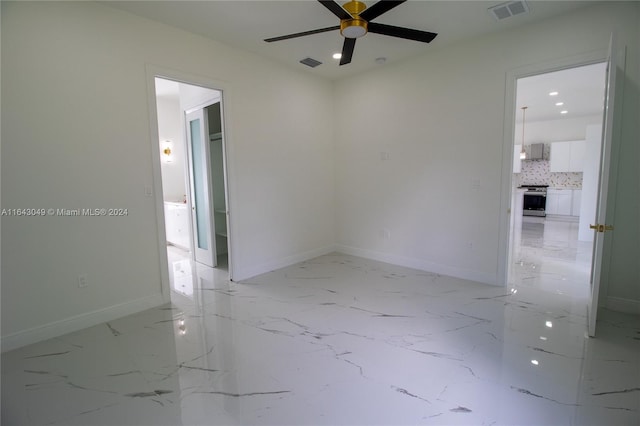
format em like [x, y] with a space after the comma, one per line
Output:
[79, 322]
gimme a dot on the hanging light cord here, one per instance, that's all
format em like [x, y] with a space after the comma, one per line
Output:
[524, 109]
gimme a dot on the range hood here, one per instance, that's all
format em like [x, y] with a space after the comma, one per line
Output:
[536, 151]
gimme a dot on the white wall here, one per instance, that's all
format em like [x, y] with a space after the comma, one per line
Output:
[440, 118]
[75, 130]
[566, 129]
[76, 133]
[170, 128]
[194, 96]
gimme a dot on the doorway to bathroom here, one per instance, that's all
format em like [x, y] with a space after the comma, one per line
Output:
[194, 181]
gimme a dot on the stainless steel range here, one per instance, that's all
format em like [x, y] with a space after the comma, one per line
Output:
[535, 200]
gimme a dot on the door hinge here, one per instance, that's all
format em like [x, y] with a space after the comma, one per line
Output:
[601, 228]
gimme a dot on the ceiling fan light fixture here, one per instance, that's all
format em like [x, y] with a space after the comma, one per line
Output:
[355, 21]
[353, 28]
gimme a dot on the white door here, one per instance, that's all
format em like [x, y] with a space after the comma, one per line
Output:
[204, 243]
[601, 209]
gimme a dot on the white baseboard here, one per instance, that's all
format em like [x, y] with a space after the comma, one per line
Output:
[628, 306]
[421, 265]
[78, 322]
[240, 274]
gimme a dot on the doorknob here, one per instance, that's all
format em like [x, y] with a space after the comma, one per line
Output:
[601, 228]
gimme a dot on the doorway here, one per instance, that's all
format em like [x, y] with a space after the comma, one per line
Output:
[193, 175]
[559, 114]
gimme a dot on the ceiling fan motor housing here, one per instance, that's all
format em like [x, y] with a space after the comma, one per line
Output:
[355, 27]
[355, 21]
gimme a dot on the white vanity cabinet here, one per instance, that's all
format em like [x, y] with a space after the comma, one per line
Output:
[177, 224]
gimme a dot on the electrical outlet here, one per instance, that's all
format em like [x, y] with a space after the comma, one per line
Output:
[83, 281]
[385, 234]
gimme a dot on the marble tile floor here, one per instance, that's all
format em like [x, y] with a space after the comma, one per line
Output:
[547, 255]
[337, 340]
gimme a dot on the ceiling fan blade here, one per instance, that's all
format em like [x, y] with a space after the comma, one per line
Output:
[408, 33]
[336, 9]
[347, 50]
[304, 33]
[383, 6]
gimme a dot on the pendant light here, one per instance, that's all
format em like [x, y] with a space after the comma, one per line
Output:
[523, 154]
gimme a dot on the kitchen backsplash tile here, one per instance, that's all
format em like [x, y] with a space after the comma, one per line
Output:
[537, 172]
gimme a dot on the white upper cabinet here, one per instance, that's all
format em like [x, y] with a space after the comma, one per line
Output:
[560, 156]
[576, 159]
[567, 156]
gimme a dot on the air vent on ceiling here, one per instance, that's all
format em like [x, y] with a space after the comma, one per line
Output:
[509, 9]
[310, 62]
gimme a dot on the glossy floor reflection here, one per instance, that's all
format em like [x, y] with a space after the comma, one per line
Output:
[547, 255]
[337, 340]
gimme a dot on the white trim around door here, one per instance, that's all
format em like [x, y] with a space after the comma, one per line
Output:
[153, 72]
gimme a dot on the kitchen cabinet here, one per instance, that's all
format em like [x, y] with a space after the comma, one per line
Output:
[560, 154]
[576, 200]
[567, 156]
[564, 202]
[576, 159]
[177, 224]
[559, 201]
[551, 206]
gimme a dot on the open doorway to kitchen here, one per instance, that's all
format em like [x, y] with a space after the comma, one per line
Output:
[194, 184]
[556, 166]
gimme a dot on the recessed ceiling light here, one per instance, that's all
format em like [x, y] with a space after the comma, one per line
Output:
[549, 324]
[337, 55]
[559, 103]
[534, 362]
[553, 93]
[564, 111]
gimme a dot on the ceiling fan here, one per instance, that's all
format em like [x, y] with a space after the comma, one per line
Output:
[355, 21]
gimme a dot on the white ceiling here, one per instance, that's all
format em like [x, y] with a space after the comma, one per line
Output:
[245, 24]
[167, 88]
[581, 90]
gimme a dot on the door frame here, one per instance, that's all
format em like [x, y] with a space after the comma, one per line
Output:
[511, 79]
[153, 72]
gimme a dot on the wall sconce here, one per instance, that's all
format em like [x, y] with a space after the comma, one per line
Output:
[167, 151]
